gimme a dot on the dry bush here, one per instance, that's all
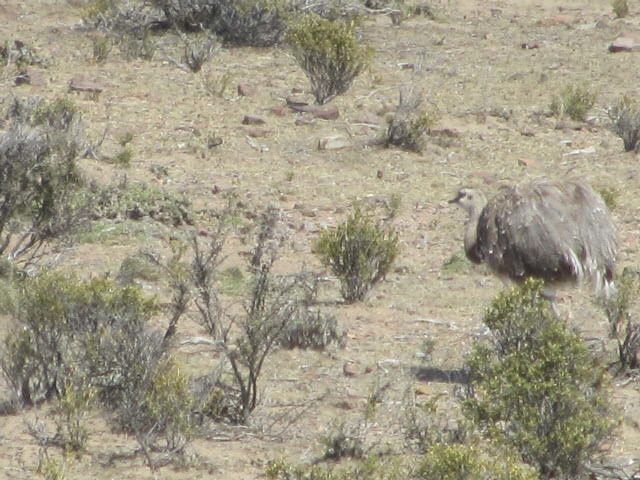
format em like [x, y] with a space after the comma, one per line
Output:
[410, 124]
[328, 52]
[623, 328]
[620, 8]
[625, 118]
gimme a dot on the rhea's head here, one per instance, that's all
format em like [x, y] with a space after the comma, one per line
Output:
[472, 201]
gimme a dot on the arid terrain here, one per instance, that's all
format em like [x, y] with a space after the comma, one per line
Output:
[491, 98]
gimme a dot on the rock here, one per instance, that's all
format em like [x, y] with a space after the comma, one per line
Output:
[334, 142]
[213, 141]
[30, 76]
[255, 132]
[81, 84]
[279, 111]
[349, 369]
[253, 120]
[622, 44]
[245, 90]
[380, 174]
[305, 120]
[581, 151]
[526, 162]
[530, 45]
[327, 112]
[296, 101]
[527, 132]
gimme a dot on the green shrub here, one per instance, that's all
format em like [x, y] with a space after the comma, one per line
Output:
[535, 387]
[620, 8]
[574, 101]
[342, 441]
[328, 52]
[359, 253]
[410, 124]
[62, 326]
[625, 118]
[311, 329]
[72, 409]
[369, 468]
[465, 462]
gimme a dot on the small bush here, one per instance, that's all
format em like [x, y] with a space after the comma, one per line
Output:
[536, 388]
[342, 441]
[574, 101]
[465, 462]
[102, 46]
[410, 124]
[621, 322]
[139, 200]
[359, 253]
[198, 51]
[329, 53]
[369, 468]
[65, 326]
[311, 329]
[625, 118]
[620, 8]
[71, 415]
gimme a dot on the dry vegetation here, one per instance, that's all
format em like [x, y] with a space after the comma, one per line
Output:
[179, 297]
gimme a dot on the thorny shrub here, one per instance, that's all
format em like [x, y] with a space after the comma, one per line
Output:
[535, 387]
[574, 101]
[410, 124]
[359, 252]
[328, 52]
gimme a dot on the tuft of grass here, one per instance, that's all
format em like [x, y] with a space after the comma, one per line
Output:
[410, 124]
[625, 118]
[102, 47]
[574, 101]
[329, 53]
[359, 252]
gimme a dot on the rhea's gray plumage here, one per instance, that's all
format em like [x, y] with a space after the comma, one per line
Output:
[554, 230]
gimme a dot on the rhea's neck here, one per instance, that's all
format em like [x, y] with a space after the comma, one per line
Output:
[471, 235]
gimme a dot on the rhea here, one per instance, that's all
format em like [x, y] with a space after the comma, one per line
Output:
[557, 231]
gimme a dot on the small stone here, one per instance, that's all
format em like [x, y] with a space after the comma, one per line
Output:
[215, 190]
[527, 132]
[81, 84]
[530, 45]
[213, 141]
[526, 162]
[30, 76]
[305, 120]
[279, 111]
[245, 90]
[349, 369]
[296, 101]
[328, 112]
[622, 44]
[253, 120]
[380, 174]
[334, 142]
[203, 233]
[297, 90]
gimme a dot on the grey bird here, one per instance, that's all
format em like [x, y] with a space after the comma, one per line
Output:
[557, 231]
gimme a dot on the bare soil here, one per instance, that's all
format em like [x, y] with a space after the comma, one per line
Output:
[490, 92]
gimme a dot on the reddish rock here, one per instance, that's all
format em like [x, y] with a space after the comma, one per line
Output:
[349, 369]
[245, 90]
[305, 120]
[526, 162]
[327, 112]
[622, 44]
[253, 120]
[81, 84]
[279, 111]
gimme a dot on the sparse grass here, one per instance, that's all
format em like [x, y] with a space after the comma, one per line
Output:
[610, 197]
[123, 157]
[625, 118]
[359, 252]
[216, 85]
[312, 329]
[329, 53]
[456, 263]
[102, 46]
[73, 407]
[342, 441]
[138, 266]
[620, 8]
[198, 50]
[574, 101]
